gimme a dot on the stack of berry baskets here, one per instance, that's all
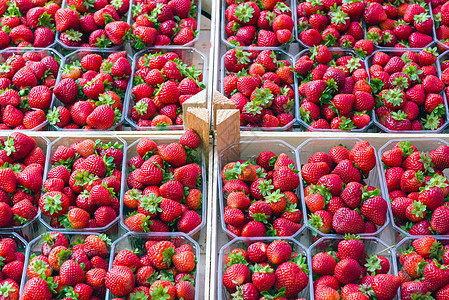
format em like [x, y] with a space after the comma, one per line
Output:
[59, 146]
[408, 25]
[81, 25]
[141, 242]
[375, 255]
[29, 229]
[431, 174]
[441, 28]
[422, 106]
[49, 79]
[337, 210]
[323, 111]
[263, 24]
[255, 252]
[181, 29]
[51, 249]
[133, 152]
[191, 69]
[107, 84]
[278, 93]
[274, 225]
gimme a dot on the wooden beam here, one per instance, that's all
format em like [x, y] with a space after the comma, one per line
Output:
[228, 133]
[198, 100]
[220, 101]
[198, 119]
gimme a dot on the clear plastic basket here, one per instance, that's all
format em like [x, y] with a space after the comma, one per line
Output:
[224, 22]
[336, 53]
[244, 243]
[297, 33]
[372, 246]
[35, 247]
[131, 151]
[313, 145]
[136, 241]
[6, 53]
[249, 150]
[68, 49]
[281, 55]
[189, 44]
[397, 52]
[111, 228]
[422, 145]
[77, 56]
[433, 34]
[27, 231]
[188, 55]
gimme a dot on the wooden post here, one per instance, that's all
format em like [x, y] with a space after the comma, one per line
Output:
[198, 119]
[198, 100]
[228, 133]
[220, 101]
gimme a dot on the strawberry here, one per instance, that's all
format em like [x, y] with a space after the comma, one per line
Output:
[120, 280]
[66, 19]
[347, 221]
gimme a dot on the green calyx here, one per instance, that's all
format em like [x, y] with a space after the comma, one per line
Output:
[373, 263]
[6, 288]
[73, 35]
[274, 197]
[253, 108]
[421, 17]
[398, 115]
[53, 204]
[394, 96]
[418, 209]
[353, 64]
[431, 121]
[263, 269]
[236, 258]
[39, 266]
[263, 97]
[244, 12]
[412, 72]
[150, 203]
[265, 187]
[339, 17]
[400, 82]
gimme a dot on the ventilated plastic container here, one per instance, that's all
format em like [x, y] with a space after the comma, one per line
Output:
[424, 145]
[131, 151]
[8, 52]
[188, 55]
[136, 241]
[68, 49]
[250, 150]
[297, 32]
[27, 231]
[76, 57]
[398, 52]
[372, 246]
[336, 53]
[433, 34]
[243, 243]
[112, 228]
[224, 22]
[189, 44]
[280, 55]
[313, 145]
[35, 247]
